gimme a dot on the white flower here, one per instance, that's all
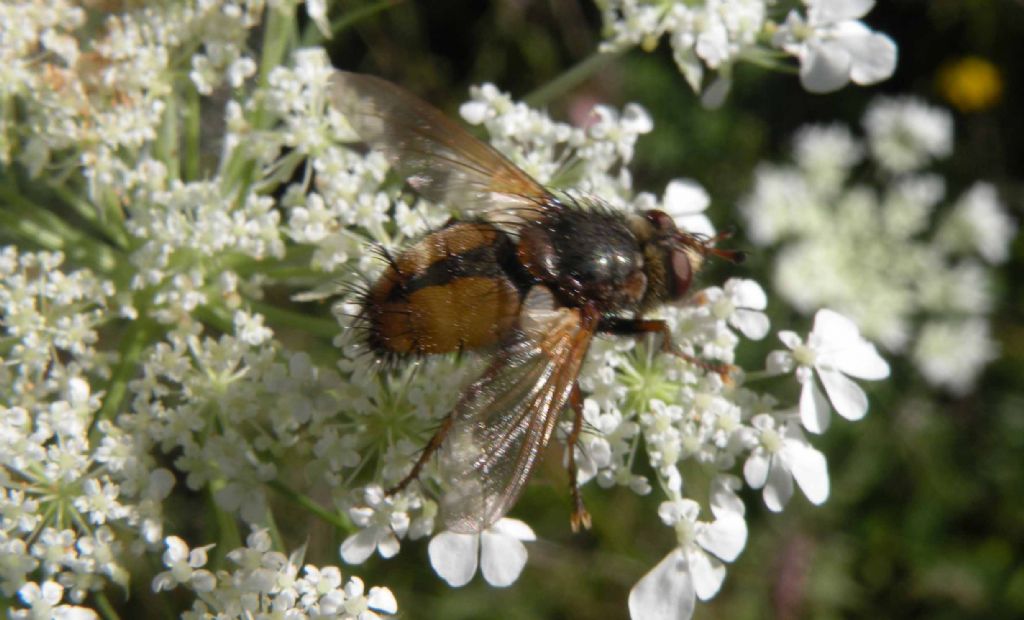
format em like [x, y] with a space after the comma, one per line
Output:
[905, 133]
[826, 153]
[695, 568]
[781, 456]
[739, 304]
[979, 223]
[250, 329]
[44, 602]
[834, 47]
[185, 567]
[834, 349]
[383, 525]
[685, 200]
[498, 550]
[952, 353]
[360, 606]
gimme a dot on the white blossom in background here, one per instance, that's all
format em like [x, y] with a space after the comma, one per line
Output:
[887, 250]
[834, 47]
[905, 134]
[827, 38]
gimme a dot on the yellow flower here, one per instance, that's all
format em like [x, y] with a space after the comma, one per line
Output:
[970, 84]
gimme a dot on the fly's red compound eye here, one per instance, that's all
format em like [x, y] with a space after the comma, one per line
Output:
[682, 272]
[660, 220]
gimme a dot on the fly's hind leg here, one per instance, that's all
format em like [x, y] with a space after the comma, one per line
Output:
[432, 446]
[640, 327]
[580, 517]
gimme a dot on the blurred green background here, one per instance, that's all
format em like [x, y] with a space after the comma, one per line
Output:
[926, 516]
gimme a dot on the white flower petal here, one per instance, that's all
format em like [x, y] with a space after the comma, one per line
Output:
[381, 599]
[755, 470]
[708, 573]
[502, 558]
[664, 593]
[862, 361]
[454, 556]
[359, 546]
[790, 339]
[696, 223]
[177, 550]
[835, 329]
[724, 499]
[474, 112]
[779, 363]
[824, 68]
[726, 537]
[809, 469]
[752, 323]
[389, 546]
[514, 528]
[814, 409]
[779, 487]
[847, 397]
[831, 11]
[874, 58]
[683, 197]
[636, 119]
[747, 293]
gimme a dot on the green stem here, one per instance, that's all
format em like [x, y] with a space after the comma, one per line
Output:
[87, 211]
[311, 506]
[275, 532]
[324, 328]
[228, 536]
[136, 337]
[41, 227]
[217, 316]
[758, 375]
[276, 39]
[166, 147]
[569, 79]
[192, 151]
[106, 608]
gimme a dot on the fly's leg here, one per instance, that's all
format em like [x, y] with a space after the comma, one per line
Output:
[641, 327]
[432, 446]
[580, 517]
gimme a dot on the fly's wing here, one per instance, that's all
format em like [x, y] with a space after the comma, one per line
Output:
[440, 159]
[504, 420]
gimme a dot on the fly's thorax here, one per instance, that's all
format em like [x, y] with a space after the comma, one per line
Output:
[586, 256]
[456, 289]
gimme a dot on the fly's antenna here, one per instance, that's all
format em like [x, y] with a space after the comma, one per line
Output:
[708, 245]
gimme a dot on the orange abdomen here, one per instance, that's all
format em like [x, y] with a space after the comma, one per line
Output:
[454, 290]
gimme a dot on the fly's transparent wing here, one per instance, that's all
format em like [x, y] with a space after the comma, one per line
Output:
[440, 159]
[504, 420]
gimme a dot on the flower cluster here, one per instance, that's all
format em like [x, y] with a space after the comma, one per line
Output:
[207, 381]
[887, 248]
[268, 584]
[71, 480]
[827, 38]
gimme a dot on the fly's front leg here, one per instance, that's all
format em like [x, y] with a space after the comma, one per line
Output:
[432, 446]
[641, 327]
[580, 517]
